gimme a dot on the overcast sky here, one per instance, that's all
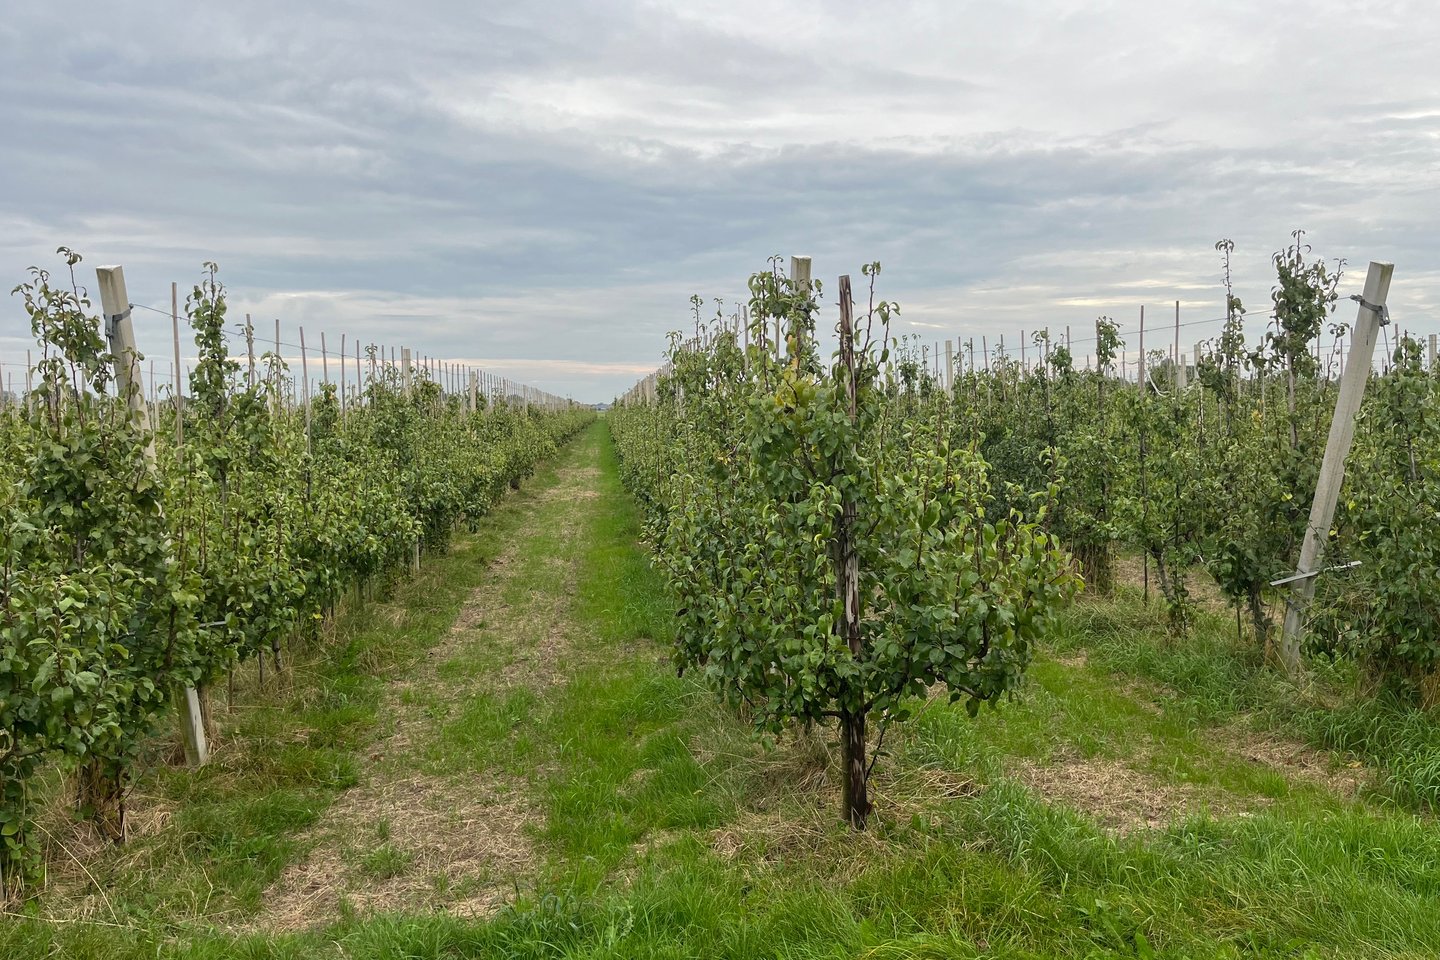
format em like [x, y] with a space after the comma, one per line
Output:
[538, 188]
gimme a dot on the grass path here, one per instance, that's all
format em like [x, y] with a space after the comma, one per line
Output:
[444, 816]
[502, 762]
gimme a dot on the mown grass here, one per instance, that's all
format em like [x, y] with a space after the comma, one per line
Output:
[1212, 676]
[670, 832]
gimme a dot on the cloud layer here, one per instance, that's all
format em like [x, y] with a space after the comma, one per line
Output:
[544, 186]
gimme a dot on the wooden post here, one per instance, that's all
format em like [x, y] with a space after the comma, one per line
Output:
[280, 400]
[800, 274]
[305, 374]
[949, 366]
[405, 369]
[1141, 361]
[1179, 356]
[250, 351]
[342, 374]
[179, 402]
[1433, 345]
[120, 332]
[324, 361]
[1332, 467]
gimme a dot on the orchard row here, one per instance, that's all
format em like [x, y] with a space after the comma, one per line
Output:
[845, 534]
[140, 562]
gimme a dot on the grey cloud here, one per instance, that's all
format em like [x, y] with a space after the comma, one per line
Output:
[549, 184]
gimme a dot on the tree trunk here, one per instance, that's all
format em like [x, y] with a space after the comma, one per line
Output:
[852, 742]
[100, 797]
[1160, 575]
[1096, 567]
[847, 586]
[1172, 588]
[1259, 620]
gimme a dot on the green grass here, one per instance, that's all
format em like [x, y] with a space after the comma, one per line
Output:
[669, 831]
[1211, 677]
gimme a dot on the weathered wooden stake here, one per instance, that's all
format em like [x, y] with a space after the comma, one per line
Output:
[305, 374]
[250, 350]
[120, 334]
[800, 273]
[1141, 361]
[179, 391]
[1179, 357]
[280, 400]
[1332, 466]
[342, 374]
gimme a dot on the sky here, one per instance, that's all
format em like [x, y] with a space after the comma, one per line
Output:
[538, 189]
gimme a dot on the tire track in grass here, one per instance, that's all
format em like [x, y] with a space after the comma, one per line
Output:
[444, 818]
